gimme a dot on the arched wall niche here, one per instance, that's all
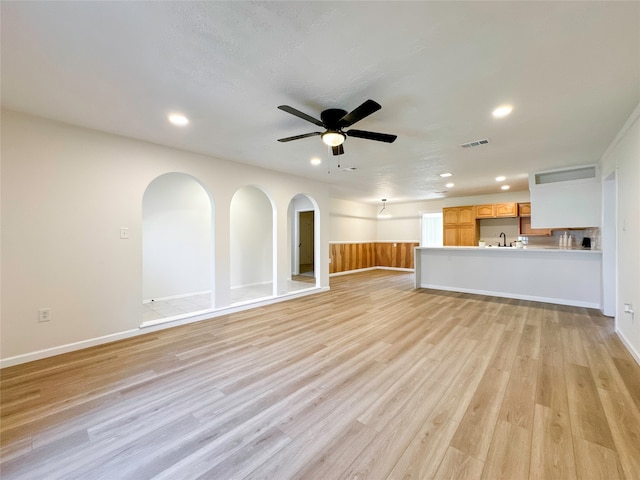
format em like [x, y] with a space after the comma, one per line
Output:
[252, 257]
[304, 242]
[177, 247]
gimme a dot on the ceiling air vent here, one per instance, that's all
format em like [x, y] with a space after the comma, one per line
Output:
[475, 143]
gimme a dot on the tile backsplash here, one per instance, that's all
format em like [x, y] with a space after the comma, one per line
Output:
[490, 229]
[554, 239]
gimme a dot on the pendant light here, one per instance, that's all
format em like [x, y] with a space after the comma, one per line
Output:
[383, 212]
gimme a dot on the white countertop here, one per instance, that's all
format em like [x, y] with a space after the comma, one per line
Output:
[513, 249]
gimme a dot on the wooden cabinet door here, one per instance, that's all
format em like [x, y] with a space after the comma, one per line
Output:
[524, 209]
[526, 230]
[450, 216]
[450, 236]
[485, 211]
[507, 209]
[467, 236]
[466, 215]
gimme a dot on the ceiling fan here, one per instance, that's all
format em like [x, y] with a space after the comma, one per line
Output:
[334, 120]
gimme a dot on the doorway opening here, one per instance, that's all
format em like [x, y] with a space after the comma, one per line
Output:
[303, 245]
[306, 246]
[251, 234]
[177, 248]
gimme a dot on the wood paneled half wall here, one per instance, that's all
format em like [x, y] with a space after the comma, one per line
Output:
[357, 256]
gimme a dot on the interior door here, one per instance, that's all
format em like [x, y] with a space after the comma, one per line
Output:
[305, 226]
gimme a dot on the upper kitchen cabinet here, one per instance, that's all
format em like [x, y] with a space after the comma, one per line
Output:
[524, 209]
[566, 198]
[460, 227]
[450, 216]
[497, 210]
[486, 211]
[507, 210]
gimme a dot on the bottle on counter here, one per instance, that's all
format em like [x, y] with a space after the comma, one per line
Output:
[569, 241]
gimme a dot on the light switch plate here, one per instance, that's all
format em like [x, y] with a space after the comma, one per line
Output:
[124, 233]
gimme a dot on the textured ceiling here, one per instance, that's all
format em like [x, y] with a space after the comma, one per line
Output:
[570, 69]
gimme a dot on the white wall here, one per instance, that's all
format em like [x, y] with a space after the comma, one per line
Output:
[623, 157]
[352, 221]
[66, 191]
[251, 238]
[176, 237]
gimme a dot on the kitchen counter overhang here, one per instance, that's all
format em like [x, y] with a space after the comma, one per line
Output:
[560, 276]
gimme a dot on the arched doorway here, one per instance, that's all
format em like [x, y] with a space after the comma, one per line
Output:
[251, 245]
[177, 247]
[303, 237]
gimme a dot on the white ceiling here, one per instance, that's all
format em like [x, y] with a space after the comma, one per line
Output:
[571, 70]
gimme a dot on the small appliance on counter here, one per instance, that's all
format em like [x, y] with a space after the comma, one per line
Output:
[586, 243]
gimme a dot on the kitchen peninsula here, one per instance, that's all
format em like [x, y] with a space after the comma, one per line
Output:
[551, 275]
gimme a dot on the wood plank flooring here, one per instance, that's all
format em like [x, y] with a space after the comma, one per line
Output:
[372, 380]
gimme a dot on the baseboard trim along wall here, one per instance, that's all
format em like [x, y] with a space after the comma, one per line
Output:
[152, 326]
[174, 297]
[531, 298]
[349, 272]
[626, 343]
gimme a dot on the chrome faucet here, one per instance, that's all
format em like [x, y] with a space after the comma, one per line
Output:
[502, 234]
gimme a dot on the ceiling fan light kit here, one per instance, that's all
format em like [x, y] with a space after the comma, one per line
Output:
[334, 120]
[333, 138]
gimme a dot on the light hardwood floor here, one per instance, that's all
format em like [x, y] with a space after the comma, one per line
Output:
[372, 380]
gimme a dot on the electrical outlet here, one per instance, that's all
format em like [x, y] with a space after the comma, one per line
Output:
[44, 314]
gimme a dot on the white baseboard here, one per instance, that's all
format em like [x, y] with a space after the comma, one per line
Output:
[368, 269]
[257, 284]
[627, 344]
[397, 269]
[154, 325]
[69, 347]
[349, 272]
[173, 297]
[556, 301]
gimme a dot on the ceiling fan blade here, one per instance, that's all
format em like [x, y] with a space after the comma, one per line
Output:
[297, 137]
[364, 110]
[302, 115]
[379, 137]
[339, 150]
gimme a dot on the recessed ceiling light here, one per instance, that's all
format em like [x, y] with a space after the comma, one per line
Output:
[445, 175]
[316, 161]
[500, 178]
[449, 185]
[505, 187]
[502, 111]
[178, 119]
